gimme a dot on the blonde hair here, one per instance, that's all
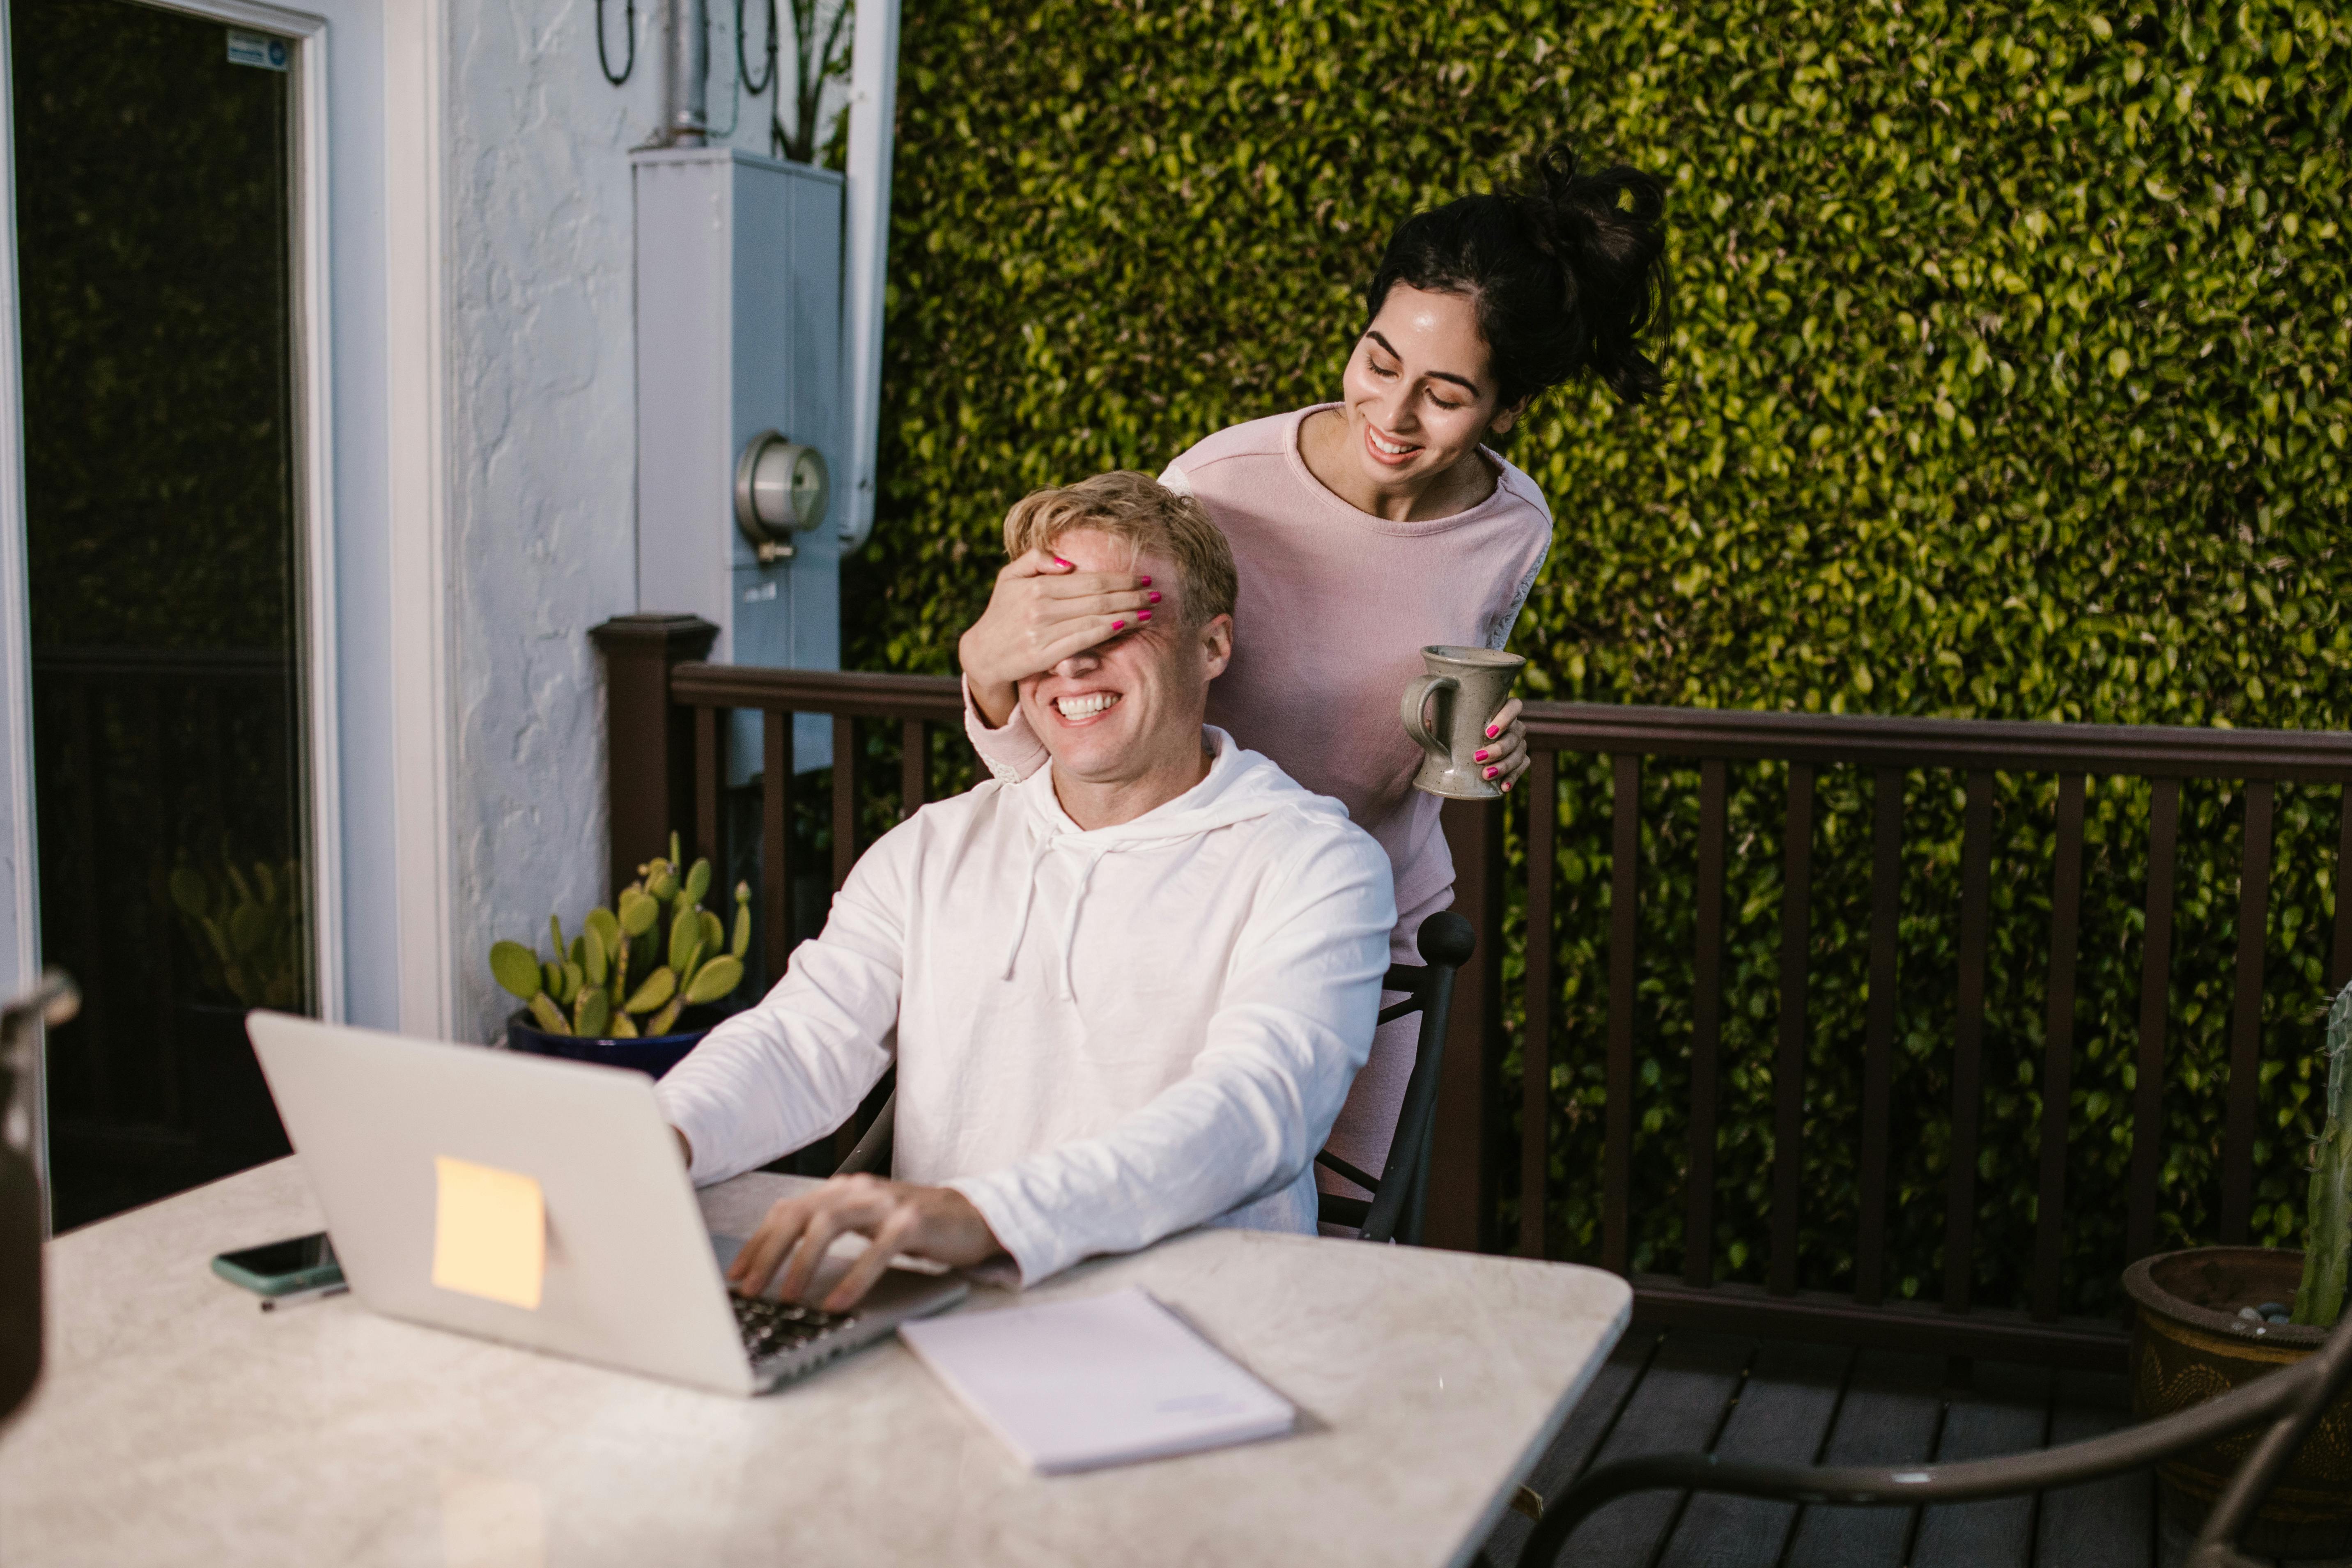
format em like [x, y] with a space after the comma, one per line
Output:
[1137, 508]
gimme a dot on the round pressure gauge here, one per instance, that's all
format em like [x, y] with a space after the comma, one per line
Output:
[781, 488]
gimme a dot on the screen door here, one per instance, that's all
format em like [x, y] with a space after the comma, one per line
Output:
[165, 542]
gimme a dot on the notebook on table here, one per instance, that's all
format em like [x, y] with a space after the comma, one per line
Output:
[1099, 1381]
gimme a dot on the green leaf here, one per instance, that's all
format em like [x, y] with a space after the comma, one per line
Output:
[515, 967]
[544, 1013]
[592, 1014]
[657, 988]
[638, 912]
[685, 940]
[715, 979]
[607, 930]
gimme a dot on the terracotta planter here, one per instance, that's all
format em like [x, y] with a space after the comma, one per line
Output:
[2189, 1345]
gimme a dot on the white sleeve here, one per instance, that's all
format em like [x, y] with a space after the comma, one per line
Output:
[1012, 751]
[782, 1074]
[1172, 478]
[1293, 1022]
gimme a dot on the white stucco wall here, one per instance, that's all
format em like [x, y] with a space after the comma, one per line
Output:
[539, 448]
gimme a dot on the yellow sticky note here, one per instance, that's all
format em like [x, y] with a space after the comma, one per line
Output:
[489, 1233]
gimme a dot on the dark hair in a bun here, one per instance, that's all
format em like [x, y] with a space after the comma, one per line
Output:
[1569, 274]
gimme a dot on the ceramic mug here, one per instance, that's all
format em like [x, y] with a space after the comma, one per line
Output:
[1468, 685]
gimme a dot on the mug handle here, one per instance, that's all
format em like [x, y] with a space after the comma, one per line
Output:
[1417, 694]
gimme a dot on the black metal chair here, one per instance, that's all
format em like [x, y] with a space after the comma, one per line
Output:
[2291, 1400]
[53, 1001]
[1393, 1211]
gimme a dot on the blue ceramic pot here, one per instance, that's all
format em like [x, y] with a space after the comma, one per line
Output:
[653, 1055]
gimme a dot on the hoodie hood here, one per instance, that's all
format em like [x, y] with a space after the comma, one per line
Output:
[1241, 786]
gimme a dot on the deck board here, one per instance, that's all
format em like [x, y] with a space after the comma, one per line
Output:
[1680, 1405]
[1894, 1406]
[1588, 1424]
[1681, 1390]
[1783, 1413]
[2108, 1524]
[2005, 1411]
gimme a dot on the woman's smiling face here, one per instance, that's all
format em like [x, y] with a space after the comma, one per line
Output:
[1419, 393]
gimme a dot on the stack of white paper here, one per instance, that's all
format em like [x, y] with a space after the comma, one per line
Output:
[1103, 1380]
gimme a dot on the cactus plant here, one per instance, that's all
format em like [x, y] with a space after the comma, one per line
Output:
[2327, 1247]
[248, 929]
[656, 953]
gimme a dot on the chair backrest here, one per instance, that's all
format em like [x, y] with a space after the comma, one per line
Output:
[1393, 1211]
[22, 1219]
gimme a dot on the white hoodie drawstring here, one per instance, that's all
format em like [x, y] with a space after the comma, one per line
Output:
[1162, 833]
[1069, 943]
[1028, 898]
[1070, 922]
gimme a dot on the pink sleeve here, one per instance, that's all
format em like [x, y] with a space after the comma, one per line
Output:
[1011, 753]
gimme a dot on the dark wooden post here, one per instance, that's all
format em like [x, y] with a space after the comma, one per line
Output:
[648, 744]
[1460, 1208]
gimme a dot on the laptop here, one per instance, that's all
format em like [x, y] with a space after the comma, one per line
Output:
[633, 1276]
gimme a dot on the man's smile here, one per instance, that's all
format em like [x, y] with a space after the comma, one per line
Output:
[1090, 705]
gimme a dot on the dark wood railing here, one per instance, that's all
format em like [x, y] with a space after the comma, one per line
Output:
[1890, 749]
[667, 732]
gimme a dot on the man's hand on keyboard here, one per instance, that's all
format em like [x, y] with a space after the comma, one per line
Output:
[938, 1223]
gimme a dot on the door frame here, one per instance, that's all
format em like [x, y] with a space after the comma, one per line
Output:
[314, 487]
[373, 399]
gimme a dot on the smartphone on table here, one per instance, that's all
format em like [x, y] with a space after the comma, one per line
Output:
[282, 1268]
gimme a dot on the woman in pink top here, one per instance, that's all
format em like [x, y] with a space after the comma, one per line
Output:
[1367, 528]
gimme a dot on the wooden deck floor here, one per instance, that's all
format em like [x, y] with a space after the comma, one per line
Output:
[1680, 1390]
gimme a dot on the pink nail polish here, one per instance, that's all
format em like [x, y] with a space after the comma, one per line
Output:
[1492, 731]
[1118, 626]
[1145, 581]
[1060, 561]
[1492, 772]
[1155, 598]
[1479, 758]
[1144, 617]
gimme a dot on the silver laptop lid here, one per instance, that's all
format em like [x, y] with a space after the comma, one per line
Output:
[631, 1281]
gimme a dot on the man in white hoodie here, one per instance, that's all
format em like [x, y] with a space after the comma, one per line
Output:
[1126, 996]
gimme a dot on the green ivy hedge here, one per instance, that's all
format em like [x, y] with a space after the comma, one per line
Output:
[2010, 381]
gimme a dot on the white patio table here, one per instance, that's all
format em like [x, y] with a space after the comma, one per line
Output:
[178, 1424]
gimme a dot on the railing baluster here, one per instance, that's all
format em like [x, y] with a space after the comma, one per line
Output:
[88, 770]
[844, 856]
[1967, 1044]
[776, 834]
[2246, 1025]
[914, 753]
[1789, 1063]
[1707, 1033]
[1878, 1031]
[1535, 1079]
[2058, 1048]
[844, 798]
[2340, 967]
[710, 767]
[2155, 985]
[1624, 926]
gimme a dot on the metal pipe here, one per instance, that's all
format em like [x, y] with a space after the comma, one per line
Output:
[685, 72]
[873, 113]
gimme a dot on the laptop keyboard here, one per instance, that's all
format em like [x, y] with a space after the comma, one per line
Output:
[771, 1328]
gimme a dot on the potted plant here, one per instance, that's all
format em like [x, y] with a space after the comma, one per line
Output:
[639, 984]
[2212, 1318]
[246, 930]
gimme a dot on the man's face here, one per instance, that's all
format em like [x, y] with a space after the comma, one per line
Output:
[1133, 704]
